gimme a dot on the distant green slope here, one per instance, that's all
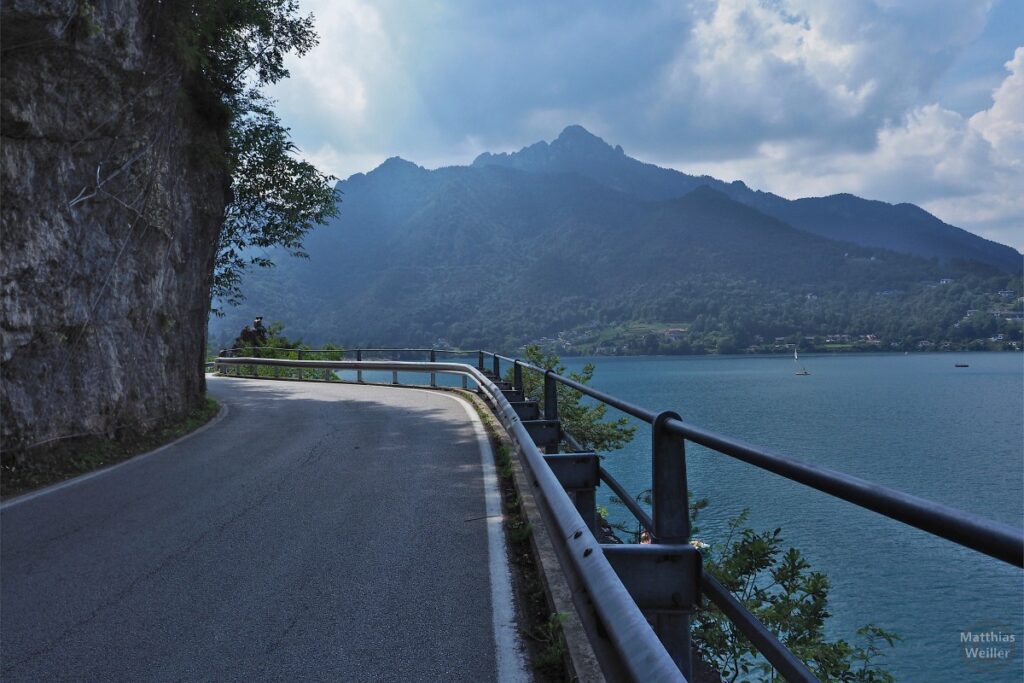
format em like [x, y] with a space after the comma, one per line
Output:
[495, 256]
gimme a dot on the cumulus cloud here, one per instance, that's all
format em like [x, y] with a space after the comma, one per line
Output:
[348, 99]
[711, 78]
[969, 171]
[997, 203]
[830, 71]
[1002, 125]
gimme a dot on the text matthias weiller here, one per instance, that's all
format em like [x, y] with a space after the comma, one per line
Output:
[1000, 644]
[987, 637]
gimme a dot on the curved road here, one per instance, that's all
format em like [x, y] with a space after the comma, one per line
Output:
[316, 532]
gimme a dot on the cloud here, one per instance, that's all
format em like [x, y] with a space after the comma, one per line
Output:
[350, 94]
[997, 205]
[798, 96]
[709, 79]
[825, 71]
[1002, 125]
[969, 171]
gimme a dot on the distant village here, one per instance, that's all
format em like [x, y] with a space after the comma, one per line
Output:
[640, 338]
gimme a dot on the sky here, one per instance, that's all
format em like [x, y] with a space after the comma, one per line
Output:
[898, 100]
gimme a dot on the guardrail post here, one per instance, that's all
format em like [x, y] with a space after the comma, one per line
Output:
[551, 402]
[497, 368]
[550, 396]
[580, 474]
[394, 376]
[359, 373]
[480, 361]
[433, 375]
[298, 354]
[517, 376]
[671, 515]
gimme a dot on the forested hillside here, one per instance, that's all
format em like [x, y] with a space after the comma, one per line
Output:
[503, 253]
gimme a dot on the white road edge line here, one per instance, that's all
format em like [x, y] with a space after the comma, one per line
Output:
[107, 470]
[509, 654]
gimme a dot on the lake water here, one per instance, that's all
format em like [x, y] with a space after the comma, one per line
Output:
[913, 422]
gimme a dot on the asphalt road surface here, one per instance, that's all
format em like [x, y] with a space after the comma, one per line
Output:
[316, 532]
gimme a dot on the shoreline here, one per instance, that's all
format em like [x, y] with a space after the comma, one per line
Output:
[788, 353]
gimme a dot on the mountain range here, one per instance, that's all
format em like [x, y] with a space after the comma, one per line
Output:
[574, 234]
[901, 227]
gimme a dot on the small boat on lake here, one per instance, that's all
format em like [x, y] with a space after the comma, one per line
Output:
[961, 365]
[800, 370]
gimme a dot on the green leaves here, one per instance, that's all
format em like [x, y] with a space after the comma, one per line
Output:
[231, 49]
[277, 198]
[780, 589]
[585, 421]
[235, 42]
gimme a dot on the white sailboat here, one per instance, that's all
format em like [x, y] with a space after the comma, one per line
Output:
[801, 370]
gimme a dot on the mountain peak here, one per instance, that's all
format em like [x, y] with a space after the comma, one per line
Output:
[574, 150]
[397, 166]
[576, 139]
[397, 162]
[576, 132]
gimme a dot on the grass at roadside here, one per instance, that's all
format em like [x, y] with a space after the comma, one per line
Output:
[87, 453]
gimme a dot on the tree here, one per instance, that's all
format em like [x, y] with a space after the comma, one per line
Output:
[277, 199]
[232, 49]
[791, 600]
[585, 421]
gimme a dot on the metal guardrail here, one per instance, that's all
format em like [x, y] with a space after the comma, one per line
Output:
[663, 578]
[997, 540]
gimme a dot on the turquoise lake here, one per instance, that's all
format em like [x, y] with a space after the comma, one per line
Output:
[913, 422]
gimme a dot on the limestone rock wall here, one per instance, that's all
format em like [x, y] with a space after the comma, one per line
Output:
[111, 203]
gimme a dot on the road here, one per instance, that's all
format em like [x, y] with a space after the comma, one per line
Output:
[316, 532]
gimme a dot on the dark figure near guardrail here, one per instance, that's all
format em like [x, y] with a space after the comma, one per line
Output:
[247, 337]
[259, 330]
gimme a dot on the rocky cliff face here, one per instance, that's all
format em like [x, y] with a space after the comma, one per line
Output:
[112, 200]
